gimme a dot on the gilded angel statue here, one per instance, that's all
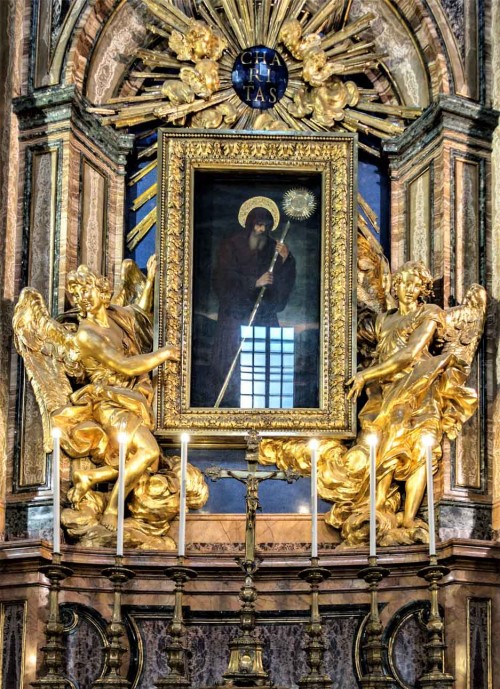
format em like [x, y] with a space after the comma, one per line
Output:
[107, 354]
[415, 388]
[416, 358]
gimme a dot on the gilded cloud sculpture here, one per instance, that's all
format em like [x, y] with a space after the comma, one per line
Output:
[107, 354]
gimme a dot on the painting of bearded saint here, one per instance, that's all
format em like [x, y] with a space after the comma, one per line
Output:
[255, 332]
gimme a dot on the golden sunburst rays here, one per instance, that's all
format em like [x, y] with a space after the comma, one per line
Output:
[299, 203]
[186, 74]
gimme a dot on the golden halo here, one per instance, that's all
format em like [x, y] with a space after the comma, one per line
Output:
[259, 202]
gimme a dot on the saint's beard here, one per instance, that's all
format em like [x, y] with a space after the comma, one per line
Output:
[256, 242]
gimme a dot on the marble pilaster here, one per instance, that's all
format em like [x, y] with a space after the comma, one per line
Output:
[441, 211]
[71, 177]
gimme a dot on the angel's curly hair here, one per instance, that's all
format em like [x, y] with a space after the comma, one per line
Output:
[84, 275]
[423, 273]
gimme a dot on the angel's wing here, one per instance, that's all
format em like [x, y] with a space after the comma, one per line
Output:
[374, 275]
[465, 325]
[49, 353]
[129, 293]
[131, 287]
[373, 282]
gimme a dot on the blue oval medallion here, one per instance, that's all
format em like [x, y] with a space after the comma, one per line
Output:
[260, 77]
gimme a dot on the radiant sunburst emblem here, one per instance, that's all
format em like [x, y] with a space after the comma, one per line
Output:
[264, 65]
[299, 203]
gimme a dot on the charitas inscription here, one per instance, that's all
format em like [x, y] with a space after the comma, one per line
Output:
[260, 77]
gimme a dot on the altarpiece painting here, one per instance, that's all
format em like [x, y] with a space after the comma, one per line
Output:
[251, 357]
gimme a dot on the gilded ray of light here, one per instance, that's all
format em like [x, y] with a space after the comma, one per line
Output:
[172, 66]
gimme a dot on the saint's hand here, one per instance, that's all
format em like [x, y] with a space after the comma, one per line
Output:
[283, 251]
[265, 280]
[357, 382]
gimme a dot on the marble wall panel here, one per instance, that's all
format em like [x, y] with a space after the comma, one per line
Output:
[12, 634]
[283, 640]
[479, 644]
[93, 217]
[41, 47]
[60, 9]
[473, 48]
[455, 13]
[469, 451]
[466, 223]
[30, 455]
[26, 520]
[85, 639]
[43, 200]
[419, 218]
[406, 638]
[464, 520]
[41, 228]
[466, 247]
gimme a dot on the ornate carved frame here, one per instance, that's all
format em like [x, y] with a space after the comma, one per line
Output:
[334, 157]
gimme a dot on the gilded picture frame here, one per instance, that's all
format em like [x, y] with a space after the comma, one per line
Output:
[203, 177]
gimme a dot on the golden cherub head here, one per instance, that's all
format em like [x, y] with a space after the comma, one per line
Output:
[419, 274]
[88, 289]
[204, 42]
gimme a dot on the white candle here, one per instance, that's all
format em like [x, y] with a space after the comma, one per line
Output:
[428, 442]
[313, 444]
[372, 442]
[56, 487]
[182, 495]
[122, 453]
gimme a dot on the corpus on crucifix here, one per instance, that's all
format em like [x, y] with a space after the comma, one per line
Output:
[245, 661]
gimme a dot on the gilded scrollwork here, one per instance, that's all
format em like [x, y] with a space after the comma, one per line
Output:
[104, 345]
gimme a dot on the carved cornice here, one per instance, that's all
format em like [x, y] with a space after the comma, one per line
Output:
[450, 114]
[65, 107]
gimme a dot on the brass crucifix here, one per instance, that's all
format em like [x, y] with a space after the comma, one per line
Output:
[245, 662]
[251, 478]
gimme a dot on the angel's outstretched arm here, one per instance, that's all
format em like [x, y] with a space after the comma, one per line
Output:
[93, 345]
[418, 341]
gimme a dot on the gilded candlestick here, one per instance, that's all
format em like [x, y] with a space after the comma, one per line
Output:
[435, 676]
[374, 647]
[177, 651]
[54, 677]
[315, 678]
[118, 575]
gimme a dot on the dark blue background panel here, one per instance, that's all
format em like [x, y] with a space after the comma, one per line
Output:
[227, 496]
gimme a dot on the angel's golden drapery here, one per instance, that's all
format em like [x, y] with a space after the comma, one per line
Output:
[108, 352]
